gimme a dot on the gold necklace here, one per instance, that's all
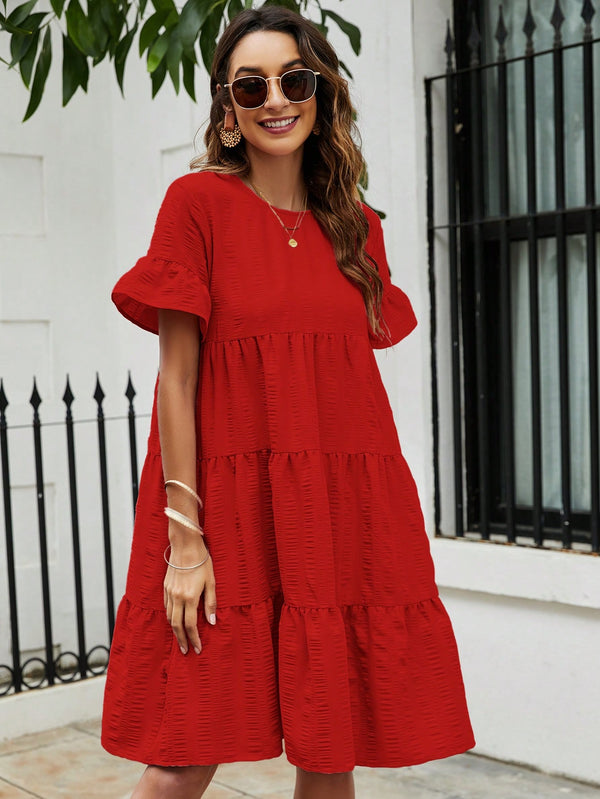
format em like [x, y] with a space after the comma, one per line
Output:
[299, 219]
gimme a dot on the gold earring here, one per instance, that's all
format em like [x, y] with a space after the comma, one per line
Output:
[317, 129]
[230, 134]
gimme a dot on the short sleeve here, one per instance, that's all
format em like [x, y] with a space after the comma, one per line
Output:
[397, 316]
[173, 275]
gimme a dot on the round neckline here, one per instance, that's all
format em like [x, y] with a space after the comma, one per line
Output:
[265, 204]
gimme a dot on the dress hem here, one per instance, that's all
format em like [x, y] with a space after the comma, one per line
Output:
[250, 757]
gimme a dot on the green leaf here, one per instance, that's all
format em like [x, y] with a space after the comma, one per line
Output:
[113, 18]
[174, 54]
[158, 51]
[7, 26]
[21, 42]
[151, 28]
[164, 5]
[99, 28]
[121, 55]
[234, 8]
[210, 32]
[27, 26]
[351, 31]
[33, 22]
[189, 73]
[192, 19]
[57, 6]
[79, 29]
[346, 70]
[291, 4]
[75, 70]
[20, 13]
[158, 77]
[41, 73]
[27, 61]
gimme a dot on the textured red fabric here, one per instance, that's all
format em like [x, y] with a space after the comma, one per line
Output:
[330, 633]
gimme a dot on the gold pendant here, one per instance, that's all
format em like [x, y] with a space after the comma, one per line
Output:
[293, 243]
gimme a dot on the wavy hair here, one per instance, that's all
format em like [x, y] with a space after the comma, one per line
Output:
[332, 163]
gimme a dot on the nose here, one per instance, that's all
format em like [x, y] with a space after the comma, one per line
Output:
[275, 97]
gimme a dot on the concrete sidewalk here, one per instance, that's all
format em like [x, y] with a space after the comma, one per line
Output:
[68, 763]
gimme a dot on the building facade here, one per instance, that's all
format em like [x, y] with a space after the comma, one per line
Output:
[81, 189]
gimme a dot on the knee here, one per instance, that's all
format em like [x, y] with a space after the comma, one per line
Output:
[174, 781]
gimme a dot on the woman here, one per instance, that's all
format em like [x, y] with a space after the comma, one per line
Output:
[299, 601]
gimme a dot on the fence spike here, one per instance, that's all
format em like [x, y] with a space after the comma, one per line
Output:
[587, 13]
[501, 35]
[35, 400]
[3, 398]
[529, 27]
[556, 21]
[68, 396]
[98, 393]
[130, 392]
[474, 41]
[449, 46]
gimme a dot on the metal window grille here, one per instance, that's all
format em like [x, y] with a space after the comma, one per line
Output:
[495, 260]
[54, 664]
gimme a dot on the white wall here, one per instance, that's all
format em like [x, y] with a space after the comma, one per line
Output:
[527, 622]
[85, 184]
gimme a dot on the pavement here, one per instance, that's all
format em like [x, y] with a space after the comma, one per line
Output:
[69, 763]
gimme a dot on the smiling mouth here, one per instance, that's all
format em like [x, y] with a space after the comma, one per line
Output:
[279, 123]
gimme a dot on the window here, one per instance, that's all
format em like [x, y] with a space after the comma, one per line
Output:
[515, 246]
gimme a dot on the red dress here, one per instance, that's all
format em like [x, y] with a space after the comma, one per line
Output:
[330, 632]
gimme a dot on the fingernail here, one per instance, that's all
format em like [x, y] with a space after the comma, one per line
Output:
[212, 618]
[196, 650]
[183, 651]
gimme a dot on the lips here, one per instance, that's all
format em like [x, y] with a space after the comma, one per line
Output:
[279, 125]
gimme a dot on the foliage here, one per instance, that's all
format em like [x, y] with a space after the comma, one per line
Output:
[174, 40]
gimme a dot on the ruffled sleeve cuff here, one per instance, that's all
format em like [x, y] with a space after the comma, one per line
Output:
[174, 274]
[158, 284]
[397, 318]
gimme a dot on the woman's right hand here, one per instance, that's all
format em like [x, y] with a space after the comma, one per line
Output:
[182, 592]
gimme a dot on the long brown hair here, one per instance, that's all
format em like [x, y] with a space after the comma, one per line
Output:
[332, 164]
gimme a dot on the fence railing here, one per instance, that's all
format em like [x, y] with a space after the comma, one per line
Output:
[51, 664]
[514, 237]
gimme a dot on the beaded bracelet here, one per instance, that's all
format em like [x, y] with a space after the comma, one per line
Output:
[184, 568]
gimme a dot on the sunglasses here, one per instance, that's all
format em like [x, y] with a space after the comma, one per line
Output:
[251, 92]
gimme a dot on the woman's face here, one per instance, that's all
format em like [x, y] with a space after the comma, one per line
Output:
[279, 127]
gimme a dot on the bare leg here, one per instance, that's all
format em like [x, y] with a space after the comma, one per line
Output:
[312, 785]
[188, 782]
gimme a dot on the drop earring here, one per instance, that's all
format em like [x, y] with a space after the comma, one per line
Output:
[230, 134]
[317, 129]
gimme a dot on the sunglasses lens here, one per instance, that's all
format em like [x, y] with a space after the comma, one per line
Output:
[298, 85]
[250, 92]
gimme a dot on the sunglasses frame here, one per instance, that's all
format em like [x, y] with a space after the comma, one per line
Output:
[266, 80]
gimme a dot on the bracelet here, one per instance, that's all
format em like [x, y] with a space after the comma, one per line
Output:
[185, 568]
[184, 520]
[185, 488]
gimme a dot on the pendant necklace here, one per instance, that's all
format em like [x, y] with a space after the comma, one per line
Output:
[289, 231]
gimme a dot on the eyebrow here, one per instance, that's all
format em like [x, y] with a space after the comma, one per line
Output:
[258, 70]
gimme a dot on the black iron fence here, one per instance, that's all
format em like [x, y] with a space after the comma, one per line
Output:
[514, 231]
[52, 665]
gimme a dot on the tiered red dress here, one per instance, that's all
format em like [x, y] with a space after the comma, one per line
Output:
[330, 632]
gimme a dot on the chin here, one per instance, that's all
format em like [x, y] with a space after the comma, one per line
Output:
[281, 147]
